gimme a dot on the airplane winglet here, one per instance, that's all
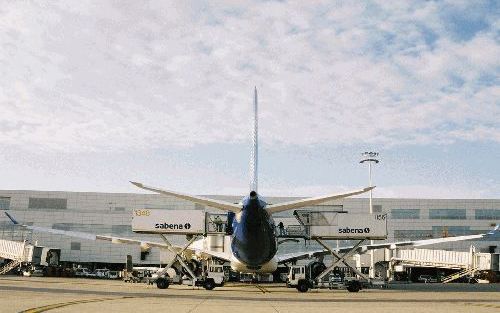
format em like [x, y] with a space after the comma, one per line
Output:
[12, 219]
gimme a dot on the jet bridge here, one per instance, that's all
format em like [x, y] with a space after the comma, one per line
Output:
[180, 222]
[195, 224]
[19, 252]
[341, 225]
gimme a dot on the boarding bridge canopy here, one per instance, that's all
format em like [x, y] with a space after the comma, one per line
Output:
[342, 225]
[443, 259]
[15, 250]
[180, 222]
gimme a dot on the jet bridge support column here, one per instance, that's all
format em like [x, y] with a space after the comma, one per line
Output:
[340, 259]
[177, 257]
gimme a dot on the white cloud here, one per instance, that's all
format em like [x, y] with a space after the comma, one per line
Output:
[93, 75]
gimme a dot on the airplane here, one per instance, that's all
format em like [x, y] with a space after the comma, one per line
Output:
[254, 247]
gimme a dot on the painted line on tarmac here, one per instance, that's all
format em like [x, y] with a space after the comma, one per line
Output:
[484, 305]
[49, 307]
[79, 282]
[264, 290]
[220, 295]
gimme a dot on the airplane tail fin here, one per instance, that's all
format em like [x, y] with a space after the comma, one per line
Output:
[255, 147]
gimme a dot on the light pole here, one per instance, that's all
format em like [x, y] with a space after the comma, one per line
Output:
[370, 157]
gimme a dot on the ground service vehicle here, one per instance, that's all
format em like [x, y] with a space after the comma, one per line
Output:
[211, 278]
[304, 277]
[102, 273]
[427, 279]
[82, 272]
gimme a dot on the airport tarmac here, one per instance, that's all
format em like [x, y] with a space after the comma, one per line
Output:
[43, 294]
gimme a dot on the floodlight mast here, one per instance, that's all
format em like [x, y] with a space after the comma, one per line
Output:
[370, 157]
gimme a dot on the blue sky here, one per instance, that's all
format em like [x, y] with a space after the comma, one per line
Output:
[96, 93]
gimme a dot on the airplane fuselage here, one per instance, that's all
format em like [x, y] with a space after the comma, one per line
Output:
[253, 243]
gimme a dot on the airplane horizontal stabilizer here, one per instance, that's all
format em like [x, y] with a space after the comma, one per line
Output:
[312, 201]
[218, 204]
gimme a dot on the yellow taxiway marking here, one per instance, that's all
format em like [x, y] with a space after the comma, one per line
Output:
[60, 305]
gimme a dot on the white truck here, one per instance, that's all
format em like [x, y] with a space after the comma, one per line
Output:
[304, 277]
[82, 272]
[211, 278]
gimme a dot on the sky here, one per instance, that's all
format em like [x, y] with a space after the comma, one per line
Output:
[94, 94]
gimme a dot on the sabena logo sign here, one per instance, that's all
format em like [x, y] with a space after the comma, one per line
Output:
[347, 230]
[173, 226]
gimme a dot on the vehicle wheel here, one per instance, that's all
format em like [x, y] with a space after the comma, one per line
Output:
[354, 286]
[209, 284]
[303, 286]
[162, 283]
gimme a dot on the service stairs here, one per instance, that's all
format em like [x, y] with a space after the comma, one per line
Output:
[15, 251]
[9, 266]
[462, 273]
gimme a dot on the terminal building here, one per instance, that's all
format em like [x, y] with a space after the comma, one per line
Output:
[111, 214]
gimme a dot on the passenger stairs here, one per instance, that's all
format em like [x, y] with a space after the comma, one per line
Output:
[462, 273]
[9, 266]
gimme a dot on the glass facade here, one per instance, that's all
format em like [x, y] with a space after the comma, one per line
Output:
[487, 214]
[121, 229]
[75, 245]
[405, 214]
[448, 231]
[85, 228]
[412, 234]
[447, 214]
[48, 203]
[4, 203]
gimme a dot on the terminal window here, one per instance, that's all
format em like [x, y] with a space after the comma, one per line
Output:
[198, 206]
[121, 229]
[4, 203]
[48, 203]
[75, 245]
[447, 214]
[412, 234]
[487, 214]
[447, 231]
[405, 214]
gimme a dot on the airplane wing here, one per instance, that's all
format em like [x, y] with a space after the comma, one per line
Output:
[218, 204]
[196, 247]
[275, 208]
[389, 245]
